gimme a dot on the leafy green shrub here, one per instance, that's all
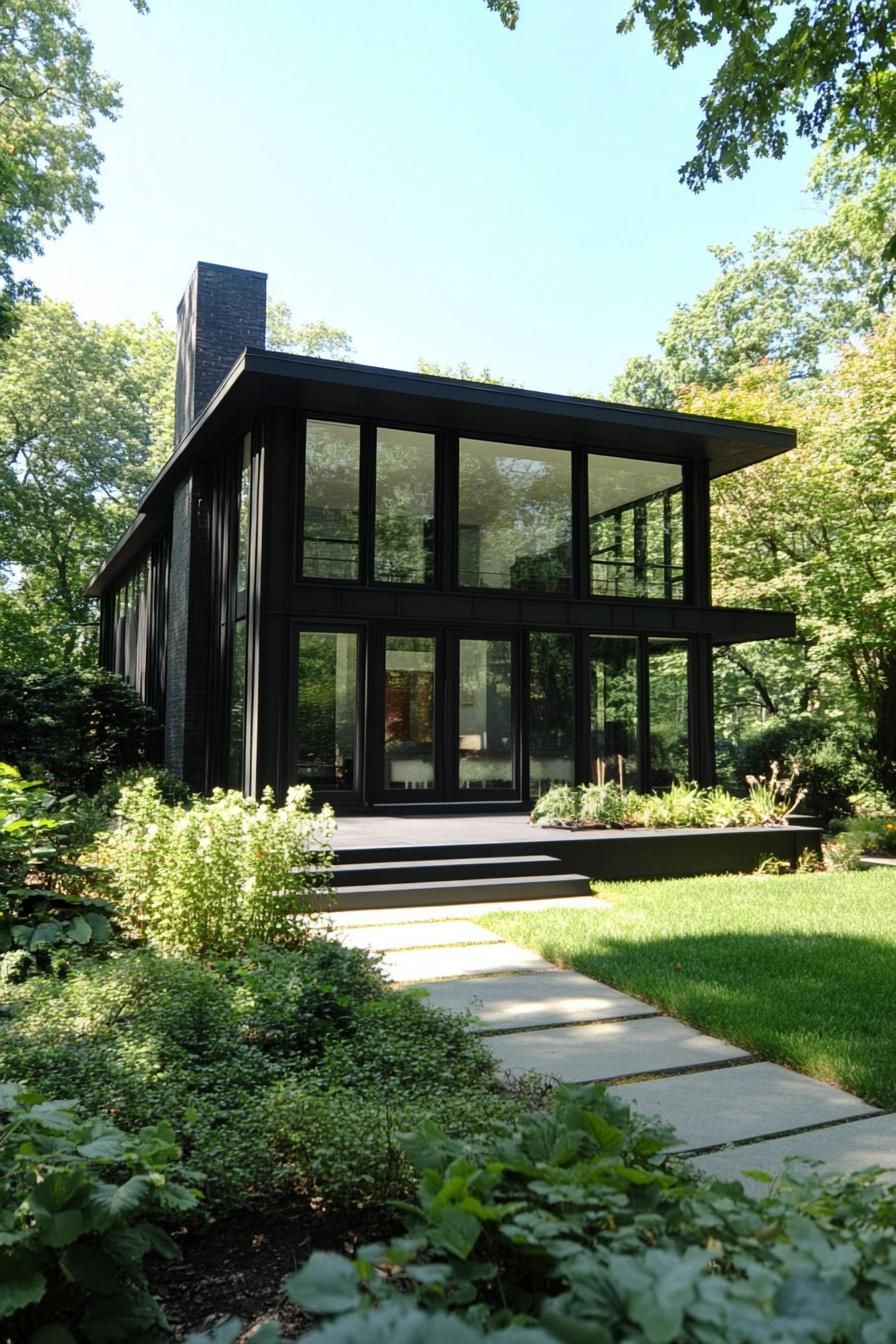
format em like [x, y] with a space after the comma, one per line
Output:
[215, 877]
[570, 1227]
[603, 805]
[337, 1129]
[47, 914]
[291, 1069]
[559, 806]
[78, 1213]
[834, 763]
[770, 800]
[679, 805]
[93, 813]
[74, 726]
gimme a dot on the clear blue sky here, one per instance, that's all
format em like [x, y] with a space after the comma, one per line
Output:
[411, 171]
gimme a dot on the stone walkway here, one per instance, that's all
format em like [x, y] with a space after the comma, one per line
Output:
[731, 1112]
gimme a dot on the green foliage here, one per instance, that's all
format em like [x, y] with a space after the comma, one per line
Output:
[769, 801]
[221, 874]
[822, 68]
[47, 916]
[311, 338]
[80, 1209]
[86, 419]
[52, 97]
[73, 727]
[569, 1227]
[292, 1069]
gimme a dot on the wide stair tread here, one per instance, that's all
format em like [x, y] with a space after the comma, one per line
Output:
[466, 868]
[388, 894]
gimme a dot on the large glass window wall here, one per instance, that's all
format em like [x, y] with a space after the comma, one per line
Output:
[331, 503]
[635, 526]
[514, 517]
[615, 737]
[409, 738]
[485, 715]
[552, 711]
[405, 507]
[327, 710]
[668, 682]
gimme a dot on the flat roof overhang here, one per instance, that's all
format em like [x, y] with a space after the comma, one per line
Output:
[263, 378]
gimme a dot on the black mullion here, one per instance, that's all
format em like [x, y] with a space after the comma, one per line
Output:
[366, 502]
[581, 540]
[447, 512]
[524, 696]
[582, 693]
[643, 709]
[298, 567]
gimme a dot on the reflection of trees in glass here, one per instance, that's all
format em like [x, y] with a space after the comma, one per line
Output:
[636, 540]
[236, 726]
[408, 718]
[515, 517]
[614, 706]
[668, 689]
[244, 502]
[332, 500]
[551, 711]
[327, 708]
[405, 505]
[485, 746]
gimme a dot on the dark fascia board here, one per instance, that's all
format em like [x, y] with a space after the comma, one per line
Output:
[338, 388]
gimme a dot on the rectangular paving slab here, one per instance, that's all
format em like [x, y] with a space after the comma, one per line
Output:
[609, 1050]
[445, 963]
[846, 1148]
[534, 1000]
[349, 919]
[440, 933]
[724, 1105]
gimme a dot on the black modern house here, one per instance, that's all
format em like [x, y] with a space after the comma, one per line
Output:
[412, 591]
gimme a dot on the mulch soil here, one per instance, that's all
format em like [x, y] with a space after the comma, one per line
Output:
[236, 1266]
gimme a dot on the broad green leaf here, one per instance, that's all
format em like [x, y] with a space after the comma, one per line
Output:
[21, 1292]
[114, 1201]
[326, 1285]
[79, 930]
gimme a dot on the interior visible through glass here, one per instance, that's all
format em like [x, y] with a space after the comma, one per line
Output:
[635, 528]
[331, 502]
[405, 506]
[327, 709]
[551, 711]
[515, 517]
[485, 717]
[409, 701]
[614, 709]
[668, 679]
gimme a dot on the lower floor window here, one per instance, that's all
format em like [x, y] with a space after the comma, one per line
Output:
[450, 715]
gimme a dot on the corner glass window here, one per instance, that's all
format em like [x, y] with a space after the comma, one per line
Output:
[635, 528]
[667, 661]
[405, 505]
[330, 541]
[515, 517]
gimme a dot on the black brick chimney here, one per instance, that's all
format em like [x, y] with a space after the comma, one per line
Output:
[222, 311]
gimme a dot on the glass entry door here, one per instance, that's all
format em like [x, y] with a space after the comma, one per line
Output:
[487, 764]
[410, 715]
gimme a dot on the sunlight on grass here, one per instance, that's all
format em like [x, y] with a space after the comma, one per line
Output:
[797, 969]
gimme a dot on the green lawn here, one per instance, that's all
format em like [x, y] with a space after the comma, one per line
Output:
[797, 969]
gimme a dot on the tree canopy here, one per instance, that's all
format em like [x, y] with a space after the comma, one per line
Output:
[85, 422]
[50, 99]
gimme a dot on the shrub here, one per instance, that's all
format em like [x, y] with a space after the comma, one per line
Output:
[559, 806]
[769, 802]
[74, 726]
[47, 914]
[834, 763]
[603, 805]
[305, 1096]
[571, 1227]
[78, 1213]
[215, 877]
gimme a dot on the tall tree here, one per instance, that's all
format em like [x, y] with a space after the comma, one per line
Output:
[309, 338]
[85, 421]
[794, 297]
[50, 100]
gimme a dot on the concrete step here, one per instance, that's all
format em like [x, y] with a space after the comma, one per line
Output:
[394, 870]
[372, 896]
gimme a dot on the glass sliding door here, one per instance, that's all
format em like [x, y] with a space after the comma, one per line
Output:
[667, 664]
[551, 708]
[327, 711]
[614, 708]
[485, 721]
[409, 760]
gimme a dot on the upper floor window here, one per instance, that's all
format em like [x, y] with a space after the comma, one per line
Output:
[514, 517]
[635, 528]
[405, 507]
[331, 540]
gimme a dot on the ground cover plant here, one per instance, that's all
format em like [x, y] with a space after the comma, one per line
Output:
[569, 1226]
[800, 969]
[770, 799]
[49, 913]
